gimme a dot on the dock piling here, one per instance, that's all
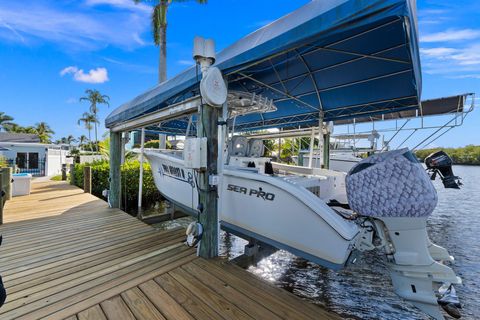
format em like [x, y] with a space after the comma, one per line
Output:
[5, 188]
[115, 168]
[87, 179]
[64, 172]
[7, 182]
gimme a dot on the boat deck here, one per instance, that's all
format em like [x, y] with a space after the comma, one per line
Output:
[66, 255]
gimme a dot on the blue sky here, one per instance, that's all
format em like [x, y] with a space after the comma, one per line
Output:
[51, 51]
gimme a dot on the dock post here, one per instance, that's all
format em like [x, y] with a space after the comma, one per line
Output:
[64, 172]
[72, 174]
[115, 169]
[87, 179]
[207, 127]
[2, 197]
[7, 182]
[140, 178]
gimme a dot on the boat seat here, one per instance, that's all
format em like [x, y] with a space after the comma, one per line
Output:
[238, 146]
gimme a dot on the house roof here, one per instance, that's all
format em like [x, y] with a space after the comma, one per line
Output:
[19, 137]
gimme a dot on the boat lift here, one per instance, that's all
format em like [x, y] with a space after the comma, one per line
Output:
[327, 61]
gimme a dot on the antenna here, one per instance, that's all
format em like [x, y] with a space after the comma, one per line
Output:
[204, 52]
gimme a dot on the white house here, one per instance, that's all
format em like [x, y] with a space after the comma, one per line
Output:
[29, 155]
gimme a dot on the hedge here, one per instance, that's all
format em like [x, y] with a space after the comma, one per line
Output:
[130, 175]
[466, 155]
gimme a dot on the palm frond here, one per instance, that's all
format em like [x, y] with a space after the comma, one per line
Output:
[157, 23]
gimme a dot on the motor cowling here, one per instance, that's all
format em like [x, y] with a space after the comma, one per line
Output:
[440, 163]
[391, 184]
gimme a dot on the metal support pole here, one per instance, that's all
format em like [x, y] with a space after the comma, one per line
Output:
[115, 169]
[162, 140]
[326, 150]
[312, 141]
[320, 137]
[87, 179]
[207, 127]
[140, 178]
[279, 149]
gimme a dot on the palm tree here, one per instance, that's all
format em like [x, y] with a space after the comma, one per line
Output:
[88, 119]
[5, 121]
[43, 131]
[81, 140]
[70, 139]
[95, 98]
[159, 29]
[13, 127]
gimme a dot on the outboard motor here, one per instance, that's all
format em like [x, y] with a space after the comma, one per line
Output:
[440, 163]
[393, 197]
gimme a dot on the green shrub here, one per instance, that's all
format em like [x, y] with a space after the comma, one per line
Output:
[153, 144]
[466, 155]
[3, 162]
[129, 179]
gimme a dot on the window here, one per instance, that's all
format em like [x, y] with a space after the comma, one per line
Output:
[33, 160]
[22, 160]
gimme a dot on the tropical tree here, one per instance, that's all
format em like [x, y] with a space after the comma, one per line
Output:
[95, 98]
[104, 148]
[13, 127]
[69, 140]
[81, 140]
[43, 131]
[5, 121]
[88, 119]
[159, 30]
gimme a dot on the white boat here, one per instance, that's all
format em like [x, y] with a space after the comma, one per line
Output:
[328, 61]
[302, 210]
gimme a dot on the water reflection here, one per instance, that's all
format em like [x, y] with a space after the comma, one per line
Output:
[364, 290]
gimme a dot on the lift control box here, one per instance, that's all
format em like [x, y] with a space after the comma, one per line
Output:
[195, 153]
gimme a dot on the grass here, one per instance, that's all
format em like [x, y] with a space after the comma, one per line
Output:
[58, 177]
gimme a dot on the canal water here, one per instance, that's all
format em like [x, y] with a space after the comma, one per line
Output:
[364, 290]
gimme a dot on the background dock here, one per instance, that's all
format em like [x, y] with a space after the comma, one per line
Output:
[66, 255]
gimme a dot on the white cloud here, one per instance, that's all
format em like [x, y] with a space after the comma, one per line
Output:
[467, 56]
[451, 35]
[186, 62]
[132, 67]
[124, 4]
[440, 52]
[14, 32]
[467, 76]
[77, 28]
[98, 75]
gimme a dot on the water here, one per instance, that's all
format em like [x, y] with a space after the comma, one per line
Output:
[364, 290]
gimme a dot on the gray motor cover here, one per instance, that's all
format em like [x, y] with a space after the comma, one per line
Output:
[391, 184]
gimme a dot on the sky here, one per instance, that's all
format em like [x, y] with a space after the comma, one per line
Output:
[52, 51]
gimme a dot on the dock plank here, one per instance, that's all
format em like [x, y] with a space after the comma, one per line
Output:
[66, 255]
[115, 308]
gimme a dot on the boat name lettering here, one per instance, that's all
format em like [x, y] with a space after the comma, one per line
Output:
[259, 193]
[173, 171]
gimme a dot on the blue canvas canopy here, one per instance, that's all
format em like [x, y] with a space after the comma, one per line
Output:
[339, 58]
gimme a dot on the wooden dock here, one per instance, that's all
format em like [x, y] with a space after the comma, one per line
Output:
[66, 255]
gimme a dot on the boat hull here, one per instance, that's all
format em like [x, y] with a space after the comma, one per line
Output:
[267, 208]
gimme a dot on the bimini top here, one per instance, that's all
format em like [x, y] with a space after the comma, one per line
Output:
[431, 107]
[339, 58]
